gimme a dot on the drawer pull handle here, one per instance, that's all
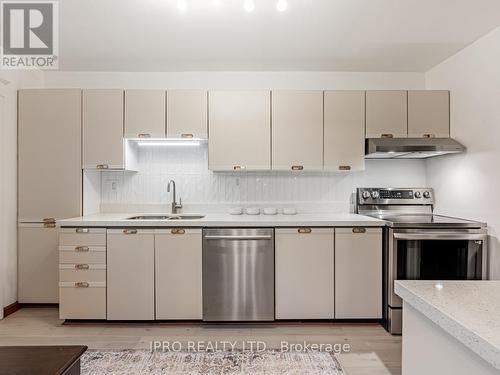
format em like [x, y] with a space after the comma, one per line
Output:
[144, 135]
[102, 166]
[178, 231]
[387, 135]
[82, 284]
[344, 167]
[82, 266]
[82, 248]
[187, 135]
[82, 230]
[238, 168]
[49, 220]
[297, 167]
[428, 135]
[130, 231]
[49, 225]
[304, 230]
[358, 230]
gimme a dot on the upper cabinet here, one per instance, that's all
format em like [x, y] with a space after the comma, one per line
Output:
[297, 130]
[145, 113]
[428, 114]
[240, 130]
[344, 130]
[187, 114]
[386, 114]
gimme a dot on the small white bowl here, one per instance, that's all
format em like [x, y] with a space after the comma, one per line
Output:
[270, 211]
[252, 211]
[236, 211]
[289, 211]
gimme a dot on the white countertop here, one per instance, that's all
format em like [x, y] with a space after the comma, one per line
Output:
[467, 310]
[226, 220]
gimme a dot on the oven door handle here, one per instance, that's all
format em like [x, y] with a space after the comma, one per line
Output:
[439, 236]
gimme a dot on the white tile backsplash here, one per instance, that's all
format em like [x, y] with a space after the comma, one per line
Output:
[188, 166]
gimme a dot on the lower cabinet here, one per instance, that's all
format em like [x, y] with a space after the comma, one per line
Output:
[178, 262]
[358, 273]
[304, 273]
[130, 269]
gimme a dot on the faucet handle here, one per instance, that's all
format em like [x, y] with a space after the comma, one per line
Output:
[180, 203]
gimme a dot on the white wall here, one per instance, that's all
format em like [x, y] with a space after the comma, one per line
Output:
[469, 185]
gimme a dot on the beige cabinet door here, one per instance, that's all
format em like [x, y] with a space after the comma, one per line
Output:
[130, 273]
[49, 139]
[428, 114]
[358, 273]
[145, 113]
[344, 134]
[38, 274]
[304, 273]
[297, 130]
[239, 130]
[187, 114]
[103, 145]
[386, 114]
[178, 260]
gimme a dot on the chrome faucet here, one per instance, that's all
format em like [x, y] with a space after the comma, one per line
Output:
[175, 206]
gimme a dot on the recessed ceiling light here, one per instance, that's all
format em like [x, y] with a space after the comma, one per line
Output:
[182, 5]
[281, 5]
[249, 5]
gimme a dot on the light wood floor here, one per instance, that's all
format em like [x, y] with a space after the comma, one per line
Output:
[373, 350]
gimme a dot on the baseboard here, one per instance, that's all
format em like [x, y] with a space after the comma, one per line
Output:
[11, 309]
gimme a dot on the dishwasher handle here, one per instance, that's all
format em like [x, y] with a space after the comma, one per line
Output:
[238, 238]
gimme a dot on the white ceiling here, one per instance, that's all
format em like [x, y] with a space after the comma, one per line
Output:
[330, 35]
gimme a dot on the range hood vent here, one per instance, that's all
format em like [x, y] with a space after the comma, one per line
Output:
[410, 148]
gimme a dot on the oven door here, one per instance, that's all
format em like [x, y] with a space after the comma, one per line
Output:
[417, 254]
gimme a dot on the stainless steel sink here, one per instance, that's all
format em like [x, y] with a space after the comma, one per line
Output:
[166, 217]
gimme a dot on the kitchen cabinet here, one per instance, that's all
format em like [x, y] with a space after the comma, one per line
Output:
[358, 273]
[178, 259]
[304, 273]
[240, 130]
[428, 113]
[130, 274]
[386, 114]
[187, 114]
[145, 113]
[297, 130]
[344, 130]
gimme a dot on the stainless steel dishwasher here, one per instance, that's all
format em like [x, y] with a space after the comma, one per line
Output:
[238, 274]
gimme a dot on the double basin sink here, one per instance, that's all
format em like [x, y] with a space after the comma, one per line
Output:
[167, 217]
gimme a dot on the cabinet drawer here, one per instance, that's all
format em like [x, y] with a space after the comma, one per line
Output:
[82, 254]
[82, 237]
[87, 272]
[88, 302]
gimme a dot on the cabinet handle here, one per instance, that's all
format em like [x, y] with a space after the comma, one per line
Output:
[82, 284]
[358, 230]
[387, 135]
[102, 166]
[187, 135]
[82, 248]
[304, 230]
[144, 135]
[238, 168]
[49, 220]
[428, 135]
[344, 167]
[82, 266]
[82, 230]
[297, 167]
[49, 225]
[130, 231]
[178, 231]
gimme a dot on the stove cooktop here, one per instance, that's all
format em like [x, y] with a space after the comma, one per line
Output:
[426, 220]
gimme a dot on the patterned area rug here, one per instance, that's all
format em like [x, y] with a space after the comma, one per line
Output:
[121, 362]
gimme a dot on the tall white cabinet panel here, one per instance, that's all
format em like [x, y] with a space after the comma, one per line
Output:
[344, 133]
[178, 260]
[145, 113]
[358, 273]
[429, 113]
[240, 130]
[386, 114]
[297, 130]
[103, 145]
[49, 138]
[304, 273]
[187, 114]
[130, 273]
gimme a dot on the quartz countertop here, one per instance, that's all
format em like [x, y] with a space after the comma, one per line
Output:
[227, 220]
[467, 310]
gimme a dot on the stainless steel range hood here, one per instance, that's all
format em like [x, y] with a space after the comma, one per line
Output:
[410, 148]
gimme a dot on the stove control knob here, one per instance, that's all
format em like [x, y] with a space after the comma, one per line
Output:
[375, 194]
[418, 194]
[427, 194]
[366, 194]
